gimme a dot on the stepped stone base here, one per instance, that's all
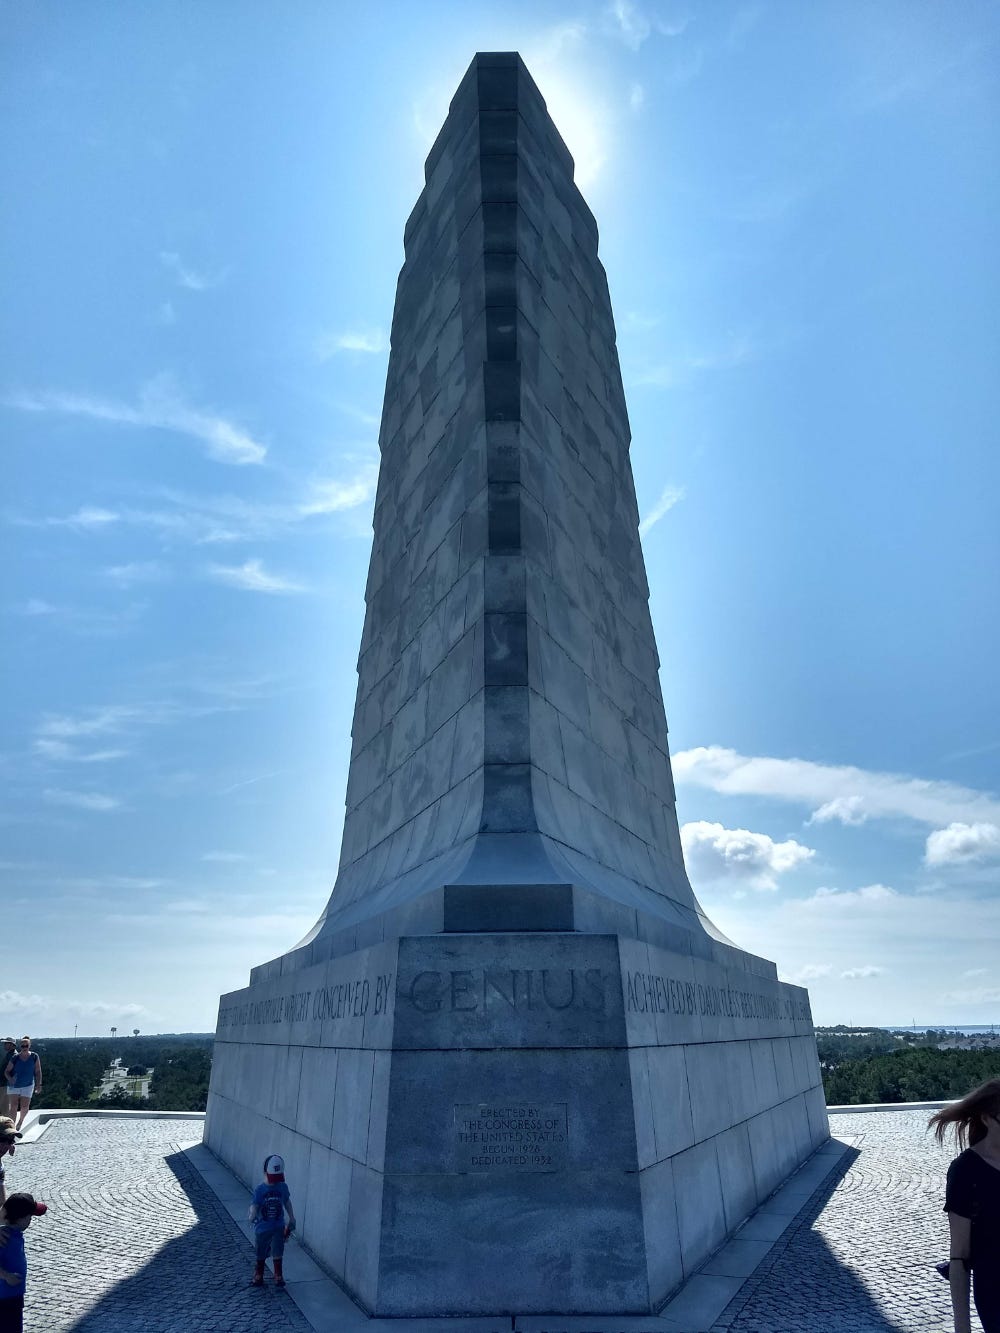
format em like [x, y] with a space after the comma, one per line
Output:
[517, 1122]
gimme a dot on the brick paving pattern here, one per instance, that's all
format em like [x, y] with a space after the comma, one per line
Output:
[860, 1258]
[135, 1241]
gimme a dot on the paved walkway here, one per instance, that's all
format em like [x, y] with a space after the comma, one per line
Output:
[137, 1239]
[860, 1256]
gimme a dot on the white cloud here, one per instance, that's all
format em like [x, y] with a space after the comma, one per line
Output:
[848, 810]
[838, 898]
[225, 858]
[373, 341]
[810, 972]
[713, 852]
[160, 407]
[975, 972]
[192, 280]
[97, 721]
[630, 23]
[862, 973]
[977, 995]
[222, 519]
[334, 496]
[62, 752]
[669, 496]
[139, 571]
[251, 576]
[106, 1009]
[882, 795]
[12, 1001]
[636, 97]
[633, 24]
[81, 800]
[961, 843]
[88, 516]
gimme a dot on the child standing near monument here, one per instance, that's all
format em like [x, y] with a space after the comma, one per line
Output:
[271, 1200]
[15, 1218]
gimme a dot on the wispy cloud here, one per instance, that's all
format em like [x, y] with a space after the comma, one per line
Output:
[634, 24]
[81, 800]
[223, 519]
[863, 973]
[737, 351]
[813, 785]
[225, 858]
[249, 782]
[139, 571]
[335, 495]
[82, 620]
[191, 279]
[86, 518]
[251, 576]
[160, 407]
[848, 810]
[959, 844]
[62, 752]
[669, 496]
[713, 852]
[372, 341]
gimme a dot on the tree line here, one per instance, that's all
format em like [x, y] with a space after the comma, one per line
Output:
[73, 1068]
[873, 1065]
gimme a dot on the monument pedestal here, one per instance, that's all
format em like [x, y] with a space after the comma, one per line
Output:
[540, 1122]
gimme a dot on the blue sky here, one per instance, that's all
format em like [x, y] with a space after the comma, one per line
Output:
[798, 210]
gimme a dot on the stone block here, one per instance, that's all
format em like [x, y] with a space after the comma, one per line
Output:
[352, 1103]
[739, 1190]
[701, 1217]
[317, 1086]
[326, 1226]
[674, 1128]
[664, 1269]
[361, 1269]
[708, 1069]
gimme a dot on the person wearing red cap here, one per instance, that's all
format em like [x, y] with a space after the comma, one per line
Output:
[271, 1200]
[15, 1218]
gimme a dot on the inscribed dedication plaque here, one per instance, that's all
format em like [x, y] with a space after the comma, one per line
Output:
[510, 1136]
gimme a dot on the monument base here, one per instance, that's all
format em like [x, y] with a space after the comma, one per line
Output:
[517, 1123]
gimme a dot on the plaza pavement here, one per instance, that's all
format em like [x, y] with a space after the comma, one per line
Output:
[147, 1234]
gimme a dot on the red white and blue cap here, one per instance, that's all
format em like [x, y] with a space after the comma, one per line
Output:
[274, 1168]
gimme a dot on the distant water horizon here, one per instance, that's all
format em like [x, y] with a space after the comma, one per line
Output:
[967, 1029]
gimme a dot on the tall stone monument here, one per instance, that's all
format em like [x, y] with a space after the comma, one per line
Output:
[514, 1067]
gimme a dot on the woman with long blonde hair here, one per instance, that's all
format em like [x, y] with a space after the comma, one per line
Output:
[972, 1202]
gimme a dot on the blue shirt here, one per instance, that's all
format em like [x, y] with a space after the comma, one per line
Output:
[270, 1202]
[24, 1071]
[12, 1260]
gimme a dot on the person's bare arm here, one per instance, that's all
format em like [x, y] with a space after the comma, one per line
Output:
[38, 1074]
[291, 1215]
[958, 1272]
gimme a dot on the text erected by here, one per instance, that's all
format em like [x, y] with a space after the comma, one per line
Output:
[511, 1136]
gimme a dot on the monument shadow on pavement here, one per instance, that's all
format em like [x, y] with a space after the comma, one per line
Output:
[514, 1067]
